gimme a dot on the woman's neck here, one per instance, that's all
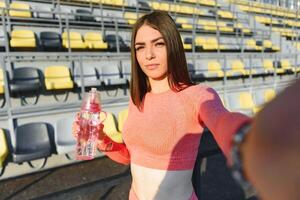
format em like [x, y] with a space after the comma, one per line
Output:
[159, 86]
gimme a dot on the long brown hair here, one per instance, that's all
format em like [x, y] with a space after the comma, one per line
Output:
[178, 76]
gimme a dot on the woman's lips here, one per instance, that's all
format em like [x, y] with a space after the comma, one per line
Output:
[152, 66]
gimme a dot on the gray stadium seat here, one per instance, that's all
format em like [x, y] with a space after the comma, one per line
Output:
[2, 39]
[50, 41]
[32, 142]
[126, 71]
[90, 77]
[64, 140]
[43, 12]
[26, 81]
[110, 75]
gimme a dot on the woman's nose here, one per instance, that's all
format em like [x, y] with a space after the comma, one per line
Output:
[149, 53]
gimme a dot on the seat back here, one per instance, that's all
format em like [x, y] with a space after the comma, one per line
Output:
[246, 101]
[26, 74]
[22, 10]
[3, 148]
[122, 116]
[110, 72]
[32, 137]
[58, 77]
[63, 132]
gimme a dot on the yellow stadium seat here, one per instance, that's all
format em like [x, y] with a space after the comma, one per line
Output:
[58, 77]
[269, 94]
[251, 44]
[225, 14]
[211, 44]
[164, 6]
[18, 9]
[22, 39]
[246, 102]
[175, 8]
[215, 67]
[110, 128]
[184, 23]
[130, 17]
[1, 81]
[207, 2]
[236, 68]
[122, 116]
[2, 5]
[286, 65]
[155, 5]
[95, 41]
[200, 41]
[76, 41]
[3, 148]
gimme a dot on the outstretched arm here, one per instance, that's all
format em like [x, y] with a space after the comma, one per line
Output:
[222, 123]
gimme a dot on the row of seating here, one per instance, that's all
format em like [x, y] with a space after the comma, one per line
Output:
[24, 10]
[39, 140]
[48, 41]
[36, 140]
[29, 80]
[210, 68]
[263, 8]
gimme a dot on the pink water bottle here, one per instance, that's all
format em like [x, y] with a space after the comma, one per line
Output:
[89, 121]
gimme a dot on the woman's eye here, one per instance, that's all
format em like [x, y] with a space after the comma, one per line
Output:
[160, 44]
[138, 48]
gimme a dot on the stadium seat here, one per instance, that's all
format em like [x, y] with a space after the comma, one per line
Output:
[43, 12]
[50, 41]
[110, 75]
[286, 65]
[75, 42]
[93, 40]
[126, 71]
[251, 45]
[64, 139]
[130, 17]
[268, 66]
[226, 14]
[2, 39]
[90, 76]
[58, 77]
[112, 43]
[236, 68]
[64, 13]
[1, 82]
[26, 80]
[186, 46]
[84, 15]
[110, 128]
[23, 39]
[4, 151]
[241, 102]
[122, 116]
[32, 142]
[208, 69]
[184, 23]
[18, 9]
[261, 97]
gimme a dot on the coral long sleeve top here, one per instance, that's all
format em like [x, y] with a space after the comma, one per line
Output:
[167, 132]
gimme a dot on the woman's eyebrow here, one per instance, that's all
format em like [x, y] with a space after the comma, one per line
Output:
[154, 40]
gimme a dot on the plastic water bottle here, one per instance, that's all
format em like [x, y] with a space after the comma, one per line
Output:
[89, 121]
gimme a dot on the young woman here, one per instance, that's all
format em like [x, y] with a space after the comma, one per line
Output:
[167, 115]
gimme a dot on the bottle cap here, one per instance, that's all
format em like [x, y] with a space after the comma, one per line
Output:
[91, 101]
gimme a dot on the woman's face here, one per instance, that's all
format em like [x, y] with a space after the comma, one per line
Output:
[151, 52]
